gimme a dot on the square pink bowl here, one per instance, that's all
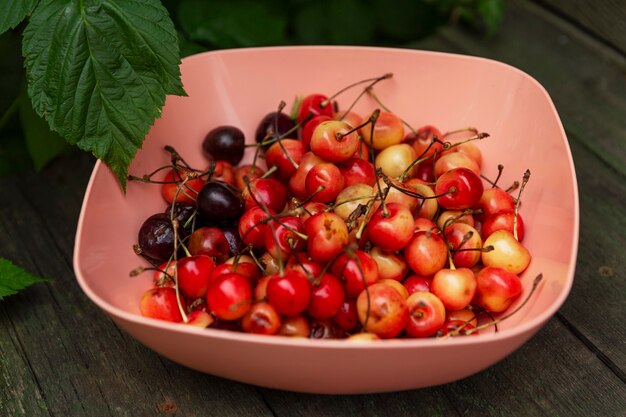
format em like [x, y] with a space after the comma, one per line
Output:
[239, 87]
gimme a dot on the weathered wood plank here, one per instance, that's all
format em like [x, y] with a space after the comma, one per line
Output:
[81, 363]
[587, 88]
[605, 19]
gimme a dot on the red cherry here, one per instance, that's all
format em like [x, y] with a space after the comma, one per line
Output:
[382, 310]
[296, 326]
[229, 296]
[327, 236]
[454, 287]
[450, 326]
[314, 104]
[503, 220]
[327, 297]
[160, 303]
[188, 193]
[248, 270]
[332, 142]
[288, 293]
[267, 192]
[209, 241]
[324, 182]
[300, 262]
[494, 200]
[426, 253]
[417, 283]
[253, 227]
[426, 314]
[309, 128]
[391, 230]
[496, 289]
[348, 269]
[275, 156]
[357, 171]
[422, 140]
[194, 275]
[347, 317]
[262, 318]
[459, 188]
[281, 241]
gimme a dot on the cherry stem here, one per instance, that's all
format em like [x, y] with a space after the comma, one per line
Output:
[374, 80]
[463, 129]
[500, 169]
[517, 203]
[353, 255]
[370, 91]
[463, 241]
[513, 187]
[422, 158]
[176, 156]
[281, 106]
[372, 84]
[331, 206]
[458, 217]
[270, 171]
[176, 287]
[359, 232]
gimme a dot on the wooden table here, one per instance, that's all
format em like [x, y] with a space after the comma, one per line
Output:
[60, 355]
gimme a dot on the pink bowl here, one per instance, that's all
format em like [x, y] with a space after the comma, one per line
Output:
[239, 87]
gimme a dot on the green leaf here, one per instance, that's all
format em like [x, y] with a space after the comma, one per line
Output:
[232, 24]
[12, 12]
[491, 12]
[99, 70]
[43, 145]
[13, 278]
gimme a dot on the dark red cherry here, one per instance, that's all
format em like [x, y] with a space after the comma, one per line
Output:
[266, 128]
[156, 237]
[224, 143]
[219, 202]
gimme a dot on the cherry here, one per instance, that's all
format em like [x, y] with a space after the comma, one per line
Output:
[229, 296]
[390, 265]
[309, 128]
[219, 202]
[465, 251]
[327, 297]
[296, 326]
[327, 236]
[289, 293]
[357, 171]
[209, 241]
[326, 329]
[397, 285]
[388, 131]
[454, 160]
[161, 303]
[265, 130]
[449, 217]
[494, 200]
[503, 220]
[356, 272]
[460, 188]
[395, 159]
[225, 143]
[427, 206]
[347, 317]
[266, 192]
[200, 319]
[194, 275]
[224, 172]
[426, 253]
[172, 190]
[350, 197]
[252, 172]
[314, 104]
[297, 182]
[382, 310]
[164, 275]
[301, 263]
[454, 287]
[391, 227]
[423, 144]
[426, 314]
[364, 337]
[286, 161]
[156, 237]
[261, 318]
[333, 141]
[417, 283]
[285, 237]
[324, 182]
[253, 227]
[507, 253]
[496, 289]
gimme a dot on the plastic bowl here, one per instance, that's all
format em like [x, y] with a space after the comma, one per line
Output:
[239, 87]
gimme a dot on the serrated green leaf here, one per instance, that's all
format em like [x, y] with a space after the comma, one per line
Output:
[12, 12]
[232, 24]
[43, 145]
[13, 278]
[99, 70]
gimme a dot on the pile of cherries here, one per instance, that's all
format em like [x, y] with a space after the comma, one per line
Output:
[354, 230]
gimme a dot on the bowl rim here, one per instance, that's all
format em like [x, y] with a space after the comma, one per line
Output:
[528, 326]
